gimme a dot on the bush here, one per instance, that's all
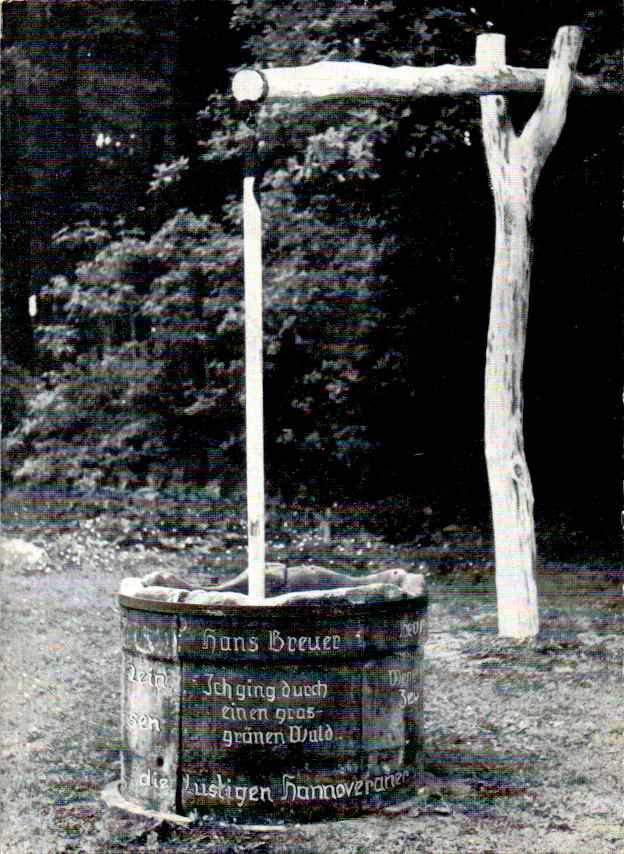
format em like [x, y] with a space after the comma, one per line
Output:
[144, 344]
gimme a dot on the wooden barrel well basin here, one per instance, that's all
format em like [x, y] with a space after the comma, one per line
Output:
[305, 706]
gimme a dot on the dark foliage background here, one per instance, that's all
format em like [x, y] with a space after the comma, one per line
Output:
[121, 173]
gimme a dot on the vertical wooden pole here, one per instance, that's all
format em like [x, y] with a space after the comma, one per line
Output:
[254, 419]
[514, 163]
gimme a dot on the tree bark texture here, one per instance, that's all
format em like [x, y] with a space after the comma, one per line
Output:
[362, 81]
[514, 164]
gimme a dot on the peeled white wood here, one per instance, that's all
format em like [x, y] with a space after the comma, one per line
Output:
[514, 164]
[363, 81]
[248, 85]
[254, 420]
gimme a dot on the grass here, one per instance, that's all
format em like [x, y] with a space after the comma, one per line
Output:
[523, 739]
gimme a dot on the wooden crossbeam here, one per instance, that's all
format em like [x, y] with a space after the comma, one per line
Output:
[362, 81]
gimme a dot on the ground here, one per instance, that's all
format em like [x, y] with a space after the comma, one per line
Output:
[523, 739]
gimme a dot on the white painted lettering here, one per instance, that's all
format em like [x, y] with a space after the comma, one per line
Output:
[231, 737]
[407, 698]
[152, 678]
[249, 690]
[403, 677]
[299, 713]
[136, 720]
[308, 644]
[412, 628]
[292, 791]
[150, 778]
[228, 643]
[225, 792]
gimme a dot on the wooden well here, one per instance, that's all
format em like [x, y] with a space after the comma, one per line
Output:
[271, 714]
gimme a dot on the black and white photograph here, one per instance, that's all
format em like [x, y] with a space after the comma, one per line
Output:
[311, 427]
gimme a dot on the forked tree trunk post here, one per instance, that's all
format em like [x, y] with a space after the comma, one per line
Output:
[514, 163]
